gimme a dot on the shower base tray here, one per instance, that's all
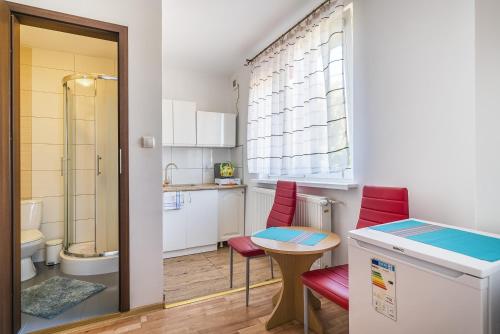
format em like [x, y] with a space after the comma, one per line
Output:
[85, 266]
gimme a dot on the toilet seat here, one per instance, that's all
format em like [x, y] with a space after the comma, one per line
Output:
[30, 236]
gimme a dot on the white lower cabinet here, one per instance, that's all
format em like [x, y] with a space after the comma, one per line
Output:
[206, 217]
[192, 228]
[231, 213]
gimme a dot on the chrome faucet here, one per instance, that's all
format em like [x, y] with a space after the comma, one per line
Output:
[166, 180]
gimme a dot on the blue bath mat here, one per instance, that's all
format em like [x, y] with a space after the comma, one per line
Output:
[55, 295]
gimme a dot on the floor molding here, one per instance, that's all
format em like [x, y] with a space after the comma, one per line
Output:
[220, 294]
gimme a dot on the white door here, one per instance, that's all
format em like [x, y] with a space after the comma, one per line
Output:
[231, 213]
[229, 127]
[174, 229]
[210, 132]
[202, 218]
[184, 123]
[167, 123]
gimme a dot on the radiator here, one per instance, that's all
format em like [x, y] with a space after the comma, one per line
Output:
[312, 211]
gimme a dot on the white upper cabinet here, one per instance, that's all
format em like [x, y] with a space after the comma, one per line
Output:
[184, 123]
[216, 129]
[167, 122]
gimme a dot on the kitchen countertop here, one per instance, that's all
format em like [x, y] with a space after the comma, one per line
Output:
[203, 186]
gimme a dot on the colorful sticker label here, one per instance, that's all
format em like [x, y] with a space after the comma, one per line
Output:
[383, 277]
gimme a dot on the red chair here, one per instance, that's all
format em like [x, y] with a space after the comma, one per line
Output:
[379, 205]
[281, 214]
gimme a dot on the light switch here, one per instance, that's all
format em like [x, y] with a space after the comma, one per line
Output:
[148, 141]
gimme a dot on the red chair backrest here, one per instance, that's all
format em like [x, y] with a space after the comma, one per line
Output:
[283, 210]
[380, 205]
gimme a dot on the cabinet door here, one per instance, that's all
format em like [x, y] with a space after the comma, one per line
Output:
[209, 133]
[167, 123]
[231, 213]
[202, 218]
[229, 130]
[184, 123]
[174, 229]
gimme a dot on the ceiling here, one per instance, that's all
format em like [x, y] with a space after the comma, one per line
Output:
[59, 41]
[217, 36]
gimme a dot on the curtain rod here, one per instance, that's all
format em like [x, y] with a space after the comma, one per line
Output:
[249, 61]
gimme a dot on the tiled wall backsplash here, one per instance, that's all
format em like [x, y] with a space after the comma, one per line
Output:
[196, 164]
[42, 137]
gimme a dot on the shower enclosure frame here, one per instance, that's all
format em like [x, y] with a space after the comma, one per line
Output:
[64, 163]
[11, 16]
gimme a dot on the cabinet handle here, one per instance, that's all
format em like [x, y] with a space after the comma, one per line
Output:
[99, 158]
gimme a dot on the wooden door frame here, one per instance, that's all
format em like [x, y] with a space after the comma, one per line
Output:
[10, 180]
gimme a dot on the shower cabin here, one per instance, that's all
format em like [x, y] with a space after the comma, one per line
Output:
[90, 167]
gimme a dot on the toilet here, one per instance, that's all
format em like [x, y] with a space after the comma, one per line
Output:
[32, 239]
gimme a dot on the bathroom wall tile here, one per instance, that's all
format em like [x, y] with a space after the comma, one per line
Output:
[187, 157]
[47, 183]
[53, 209]
[26, 77]
[237, 156]
[207, 158]
[25, 55]
[85, 107]
[43, 104]
[46, 79]
[221, 155]
[52, 59]
[89, 64]
[208, 175]
[26, 184]
[85, 230]
[85, 157]
[25, 103]
[47, 130]
[26, 160]
[47, 157]
[85, 182]
[84, 207]
[53, 230]
[187, 176]
[26, 130]
[85, 132]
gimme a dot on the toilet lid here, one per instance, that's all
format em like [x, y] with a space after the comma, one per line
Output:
[30, 235]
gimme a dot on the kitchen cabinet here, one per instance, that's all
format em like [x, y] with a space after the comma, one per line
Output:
[231, 213]
[193, 227]
[167, 122]
[216, 129]
[184, 123]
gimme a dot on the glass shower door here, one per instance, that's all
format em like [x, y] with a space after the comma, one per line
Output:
[91, 165]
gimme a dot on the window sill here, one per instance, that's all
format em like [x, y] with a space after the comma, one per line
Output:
[323, 184]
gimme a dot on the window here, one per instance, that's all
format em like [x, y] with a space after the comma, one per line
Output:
[299, 113]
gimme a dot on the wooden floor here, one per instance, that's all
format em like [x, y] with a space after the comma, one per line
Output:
[221, 315]
[198, 275]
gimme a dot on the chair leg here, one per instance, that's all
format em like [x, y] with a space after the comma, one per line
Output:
[230, 267]
[272, 271]
[248, 281]
[306, 310]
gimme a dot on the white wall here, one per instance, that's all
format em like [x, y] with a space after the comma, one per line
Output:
[144, 23]
[413, 109]
[488, 114]
[211, 92]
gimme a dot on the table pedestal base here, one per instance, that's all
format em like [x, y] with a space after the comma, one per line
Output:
[289, 302]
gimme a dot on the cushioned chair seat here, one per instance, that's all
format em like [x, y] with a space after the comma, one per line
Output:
[245, 247]
[332, 283]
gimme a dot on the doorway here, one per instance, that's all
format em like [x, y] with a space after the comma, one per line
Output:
[65, 210]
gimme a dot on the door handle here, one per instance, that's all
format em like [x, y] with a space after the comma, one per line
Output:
[99, 158]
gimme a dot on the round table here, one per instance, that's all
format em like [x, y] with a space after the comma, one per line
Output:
[295, 259]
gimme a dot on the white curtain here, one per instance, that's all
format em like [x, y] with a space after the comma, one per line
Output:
[297, 119]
